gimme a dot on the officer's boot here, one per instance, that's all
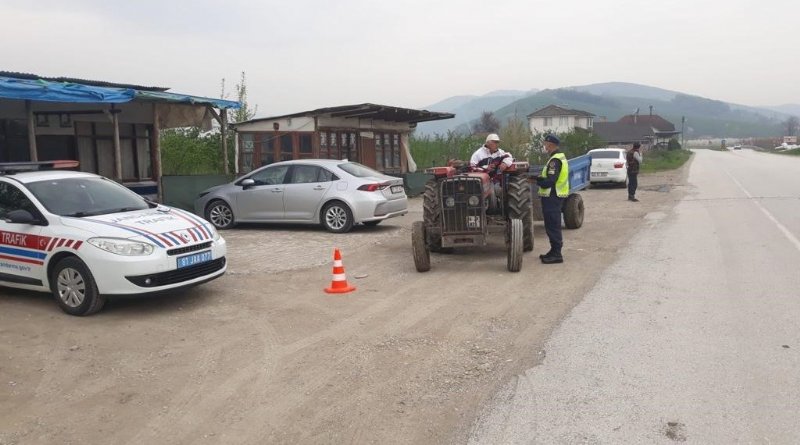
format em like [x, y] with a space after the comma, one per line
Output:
[553, 258]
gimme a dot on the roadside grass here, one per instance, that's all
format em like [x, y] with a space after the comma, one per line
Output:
[792, 152]
[661, 160]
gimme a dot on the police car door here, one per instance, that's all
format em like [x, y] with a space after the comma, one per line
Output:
[22, 248]
[263, 201]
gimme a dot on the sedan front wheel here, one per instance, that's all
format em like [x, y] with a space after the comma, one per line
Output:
[220, 214]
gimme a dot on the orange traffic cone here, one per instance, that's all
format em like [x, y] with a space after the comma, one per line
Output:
[339, 283]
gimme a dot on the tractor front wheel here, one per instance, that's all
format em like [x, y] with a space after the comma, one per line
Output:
[515, 240]
[422, 257]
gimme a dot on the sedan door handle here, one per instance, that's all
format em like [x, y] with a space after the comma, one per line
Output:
[319, 187]
[277, 191]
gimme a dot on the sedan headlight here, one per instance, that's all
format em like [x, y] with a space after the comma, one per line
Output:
[120, 246]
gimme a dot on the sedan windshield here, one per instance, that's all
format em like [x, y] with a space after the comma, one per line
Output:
[85, 196]
[360, 171]
[605, 154]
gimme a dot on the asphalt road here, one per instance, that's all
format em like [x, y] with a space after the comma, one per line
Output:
[693, 335]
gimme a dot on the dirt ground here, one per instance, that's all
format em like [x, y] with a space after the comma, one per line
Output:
[263, 355]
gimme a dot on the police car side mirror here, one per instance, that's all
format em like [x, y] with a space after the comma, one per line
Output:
[20, 217]
[247, 183]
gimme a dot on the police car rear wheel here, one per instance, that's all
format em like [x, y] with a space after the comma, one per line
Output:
[220, 214]
[74, 288]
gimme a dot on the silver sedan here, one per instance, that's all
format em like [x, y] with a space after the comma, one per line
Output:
[336, 194]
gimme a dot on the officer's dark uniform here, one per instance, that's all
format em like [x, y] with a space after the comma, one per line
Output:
[552, 203]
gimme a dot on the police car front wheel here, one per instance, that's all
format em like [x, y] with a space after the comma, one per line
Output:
[74, 287]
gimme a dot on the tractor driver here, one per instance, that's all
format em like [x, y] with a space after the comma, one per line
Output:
[490, 156]
[493, 160]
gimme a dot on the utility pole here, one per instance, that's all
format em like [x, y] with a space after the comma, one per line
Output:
[683, 134]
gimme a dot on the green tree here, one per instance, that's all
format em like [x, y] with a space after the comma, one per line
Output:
[792, 126]
[516, 138]
[190, 151]
[487, 123]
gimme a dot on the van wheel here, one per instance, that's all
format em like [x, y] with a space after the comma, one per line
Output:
[74, 288]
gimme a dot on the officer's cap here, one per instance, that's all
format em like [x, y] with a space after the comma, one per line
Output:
[552, 138]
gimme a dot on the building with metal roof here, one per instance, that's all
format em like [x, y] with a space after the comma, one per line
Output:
[112, 129]
[647, 130]
[374, 135]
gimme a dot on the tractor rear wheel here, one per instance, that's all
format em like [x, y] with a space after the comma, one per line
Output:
[515, 239]
[573, 211]
[519, 207]
[422, 257]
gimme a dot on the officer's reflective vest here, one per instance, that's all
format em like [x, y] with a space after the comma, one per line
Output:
[562, 183]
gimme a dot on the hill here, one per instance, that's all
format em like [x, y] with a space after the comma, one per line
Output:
[468, 109]
[610, 101]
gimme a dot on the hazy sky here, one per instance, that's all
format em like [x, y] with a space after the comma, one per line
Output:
[299, 55]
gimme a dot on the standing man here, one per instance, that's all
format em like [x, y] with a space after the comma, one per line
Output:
[553, 189]
[634, 158]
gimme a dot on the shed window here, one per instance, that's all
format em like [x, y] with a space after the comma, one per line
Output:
[387, 152]
[306, 149]
[287, 151]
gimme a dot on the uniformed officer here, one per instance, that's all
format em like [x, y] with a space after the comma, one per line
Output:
[553, 189]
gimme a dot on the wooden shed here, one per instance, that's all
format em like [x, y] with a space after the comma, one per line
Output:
[112, 129]
[373, 135]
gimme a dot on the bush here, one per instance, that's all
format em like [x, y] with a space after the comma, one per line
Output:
[659, 160]
[187, 151]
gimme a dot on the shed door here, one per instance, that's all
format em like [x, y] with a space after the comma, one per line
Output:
[368, 151]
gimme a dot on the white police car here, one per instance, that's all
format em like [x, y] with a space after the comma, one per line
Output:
[84, 237]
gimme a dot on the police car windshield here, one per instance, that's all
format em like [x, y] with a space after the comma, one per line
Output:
[85, 196]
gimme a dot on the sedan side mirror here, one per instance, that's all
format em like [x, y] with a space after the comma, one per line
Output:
[247, 183]
[20, 217]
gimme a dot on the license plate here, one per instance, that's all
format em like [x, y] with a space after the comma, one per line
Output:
[397, 189]
[596, 174]
[193, 259]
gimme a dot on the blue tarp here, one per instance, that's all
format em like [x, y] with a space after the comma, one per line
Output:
[49, 91]
[44, 90]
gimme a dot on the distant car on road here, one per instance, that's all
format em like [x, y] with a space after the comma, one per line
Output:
[336, 194]
[737, 147]
[609, 166]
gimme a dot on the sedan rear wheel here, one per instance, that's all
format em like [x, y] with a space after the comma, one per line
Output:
[337, 217]
[220, 214]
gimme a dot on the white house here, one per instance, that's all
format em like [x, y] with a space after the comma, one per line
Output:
[555, 119]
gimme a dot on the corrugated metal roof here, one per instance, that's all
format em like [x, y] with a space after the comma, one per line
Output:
[96, 83]
[367, 111]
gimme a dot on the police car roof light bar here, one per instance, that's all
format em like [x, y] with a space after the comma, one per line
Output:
[14, 167]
